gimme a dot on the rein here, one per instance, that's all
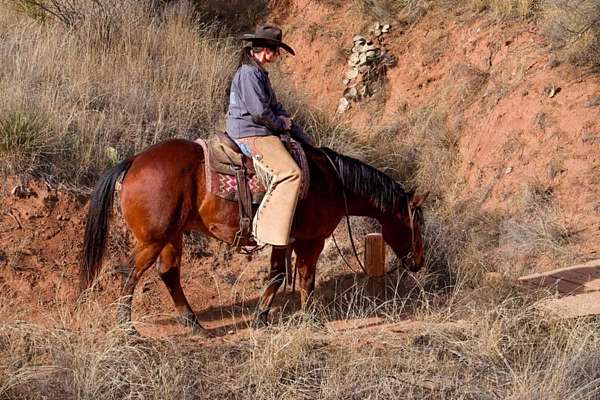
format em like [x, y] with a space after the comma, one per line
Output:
[411, 215]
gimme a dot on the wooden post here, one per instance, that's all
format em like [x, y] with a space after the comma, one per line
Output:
[375, 262]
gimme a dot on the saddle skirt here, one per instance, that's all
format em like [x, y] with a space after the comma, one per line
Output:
[221, 163]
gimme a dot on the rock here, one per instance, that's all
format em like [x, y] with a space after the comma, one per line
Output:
[354, 59]
[350, 93]
[385, 28]
[363, 59]
[346, 81]
[359, 48]
[343, 105]
[358, 39]
[351, 73]
[552, 90]
[508, 170]
[371, 54]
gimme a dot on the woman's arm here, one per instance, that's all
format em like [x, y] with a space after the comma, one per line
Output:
[255, 95]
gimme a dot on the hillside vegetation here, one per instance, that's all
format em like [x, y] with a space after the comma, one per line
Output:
[87, 83]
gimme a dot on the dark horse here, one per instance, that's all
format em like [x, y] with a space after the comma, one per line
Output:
[164, 195]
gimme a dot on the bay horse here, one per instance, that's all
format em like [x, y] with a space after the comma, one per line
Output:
[164, 195]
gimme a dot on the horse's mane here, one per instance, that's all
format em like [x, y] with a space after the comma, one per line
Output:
[361, 179]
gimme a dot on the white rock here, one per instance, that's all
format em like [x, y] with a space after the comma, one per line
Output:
[359, 39]
[354, 59]
[350, 93]
[343, 105]
[363, 59]
[351, 73]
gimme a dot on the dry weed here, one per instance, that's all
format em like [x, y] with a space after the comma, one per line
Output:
[507, 8]
[574, 29]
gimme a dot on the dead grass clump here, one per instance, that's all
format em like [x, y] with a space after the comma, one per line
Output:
[502, 9]
[463, 85]
[435, 146]
[286, 363]
[408, 11]
[537, 230]
[574, 29]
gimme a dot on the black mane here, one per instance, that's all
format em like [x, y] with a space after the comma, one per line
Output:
[380, 190]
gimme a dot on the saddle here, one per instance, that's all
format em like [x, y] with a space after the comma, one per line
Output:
[230, 175]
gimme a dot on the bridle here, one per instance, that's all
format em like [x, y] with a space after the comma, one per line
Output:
[411, 215]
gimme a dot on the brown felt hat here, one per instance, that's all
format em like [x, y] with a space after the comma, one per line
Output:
[267, 35]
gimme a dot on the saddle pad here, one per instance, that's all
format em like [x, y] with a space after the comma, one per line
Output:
[224, 185]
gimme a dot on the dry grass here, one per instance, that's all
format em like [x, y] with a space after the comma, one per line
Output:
[119, 76]
[506, 8]
[497, 345]
[574, 29]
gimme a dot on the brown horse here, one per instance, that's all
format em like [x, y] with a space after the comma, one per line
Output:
[164, 195]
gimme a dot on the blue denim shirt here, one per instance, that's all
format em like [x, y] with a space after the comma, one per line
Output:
[253, 107]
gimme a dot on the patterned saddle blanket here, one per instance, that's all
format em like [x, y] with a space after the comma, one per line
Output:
[221, 164]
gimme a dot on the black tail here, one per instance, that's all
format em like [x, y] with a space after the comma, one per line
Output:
[96, 226]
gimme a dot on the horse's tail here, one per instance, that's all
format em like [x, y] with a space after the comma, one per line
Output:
[97, 224]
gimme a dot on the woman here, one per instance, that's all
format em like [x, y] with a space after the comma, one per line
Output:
[254, 121]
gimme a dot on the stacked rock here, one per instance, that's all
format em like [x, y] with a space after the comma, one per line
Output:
[363, 62]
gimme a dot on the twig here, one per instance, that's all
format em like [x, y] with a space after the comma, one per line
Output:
[9, 212]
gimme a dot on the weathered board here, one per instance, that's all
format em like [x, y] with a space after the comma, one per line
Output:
[579, 287]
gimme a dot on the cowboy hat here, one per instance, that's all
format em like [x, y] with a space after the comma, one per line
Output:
[267, 35]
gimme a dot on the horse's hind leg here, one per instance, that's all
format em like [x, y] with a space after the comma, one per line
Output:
[143, 257]
[170, 272]
[276, 277]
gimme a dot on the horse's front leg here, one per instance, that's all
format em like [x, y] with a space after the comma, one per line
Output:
[276, 278]
[307, 255]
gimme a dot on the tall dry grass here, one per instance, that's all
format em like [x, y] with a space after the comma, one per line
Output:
[115, 80]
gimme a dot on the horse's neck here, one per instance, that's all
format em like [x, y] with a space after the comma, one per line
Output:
[357, 205]
[361, 207]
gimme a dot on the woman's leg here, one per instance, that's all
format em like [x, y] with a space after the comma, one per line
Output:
[282, 178]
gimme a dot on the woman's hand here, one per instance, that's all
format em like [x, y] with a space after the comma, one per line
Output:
[287, 123]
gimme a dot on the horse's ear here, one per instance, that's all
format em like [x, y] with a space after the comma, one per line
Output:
[417, 200]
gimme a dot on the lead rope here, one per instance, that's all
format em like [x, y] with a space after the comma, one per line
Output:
[347, 221]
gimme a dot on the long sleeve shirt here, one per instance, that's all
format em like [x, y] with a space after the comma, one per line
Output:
[253, 107]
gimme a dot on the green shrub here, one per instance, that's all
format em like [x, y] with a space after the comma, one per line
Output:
[24, 140]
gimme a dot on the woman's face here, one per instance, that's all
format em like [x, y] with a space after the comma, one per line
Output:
[267, 55]
[271, 55]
